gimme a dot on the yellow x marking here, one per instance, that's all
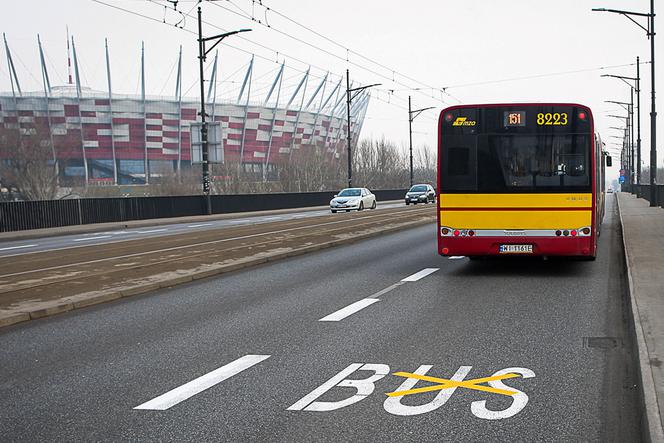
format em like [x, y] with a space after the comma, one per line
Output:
[446, 384]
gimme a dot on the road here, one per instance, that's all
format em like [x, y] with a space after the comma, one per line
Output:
[246, 356]
[13, 248]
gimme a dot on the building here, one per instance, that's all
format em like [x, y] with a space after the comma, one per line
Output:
[100, 137]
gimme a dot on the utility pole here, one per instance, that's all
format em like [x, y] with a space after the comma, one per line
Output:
[411, 116]
[349, 99]
[202, 54]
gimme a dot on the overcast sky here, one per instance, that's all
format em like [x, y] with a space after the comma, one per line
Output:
[468, 47]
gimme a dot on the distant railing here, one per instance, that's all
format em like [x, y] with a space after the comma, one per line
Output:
[23, 215]
[643, 191]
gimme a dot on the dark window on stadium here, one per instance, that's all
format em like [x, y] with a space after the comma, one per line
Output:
[101, 168]
[131, 167]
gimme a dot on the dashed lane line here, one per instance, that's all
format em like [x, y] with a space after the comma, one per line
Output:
[361, 304]
[350, 309]
[420, 275]
[17, 247]
[151, 231]
[92, 238]
[200, 225]
[200, 384]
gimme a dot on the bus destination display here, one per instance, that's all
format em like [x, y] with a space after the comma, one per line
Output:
[514, 118]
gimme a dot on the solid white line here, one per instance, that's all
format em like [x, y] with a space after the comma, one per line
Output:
[419, 275]
[92, 238]
[456, 257]
[198, 226]
[187, 390]
[17, 247]
[153, 230]
[350, 309]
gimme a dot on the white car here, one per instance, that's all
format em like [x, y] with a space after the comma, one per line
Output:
[353, 199]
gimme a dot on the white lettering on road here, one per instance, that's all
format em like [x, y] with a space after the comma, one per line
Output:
[17, 247]
[394, 406]
[92, 238]
[520, 399]
[420, 275]
[179, 394]
[363, 387]
[350, 309]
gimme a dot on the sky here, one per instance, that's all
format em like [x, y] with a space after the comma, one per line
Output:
[440, 53]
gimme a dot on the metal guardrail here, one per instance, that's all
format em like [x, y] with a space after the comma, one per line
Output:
[24, 215]
[643, 191]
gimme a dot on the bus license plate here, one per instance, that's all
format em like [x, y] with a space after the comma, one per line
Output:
[516, 249]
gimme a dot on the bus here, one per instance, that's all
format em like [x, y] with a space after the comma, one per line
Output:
[519, 179]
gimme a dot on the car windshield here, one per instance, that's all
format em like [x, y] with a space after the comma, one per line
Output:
[418, 188]
[350, 193]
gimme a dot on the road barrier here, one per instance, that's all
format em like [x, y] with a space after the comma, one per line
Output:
[643, 191]
[24, 215]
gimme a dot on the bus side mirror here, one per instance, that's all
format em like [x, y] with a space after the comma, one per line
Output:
[608, 160]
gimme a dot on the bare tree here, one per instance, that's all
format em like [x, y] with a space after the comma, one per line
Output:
[28, 162]
[424, 170]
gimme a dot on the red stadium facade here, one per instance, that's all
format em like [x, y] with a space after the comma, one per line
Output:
[102, 137]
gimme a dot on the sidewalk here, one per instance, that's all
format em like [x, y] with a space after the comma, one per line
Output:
[643, 237]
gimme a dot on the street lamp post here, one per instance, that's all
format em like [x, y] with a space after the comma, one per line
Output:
[650, 32]
[349, 98]
[411, 116]
[202, 54]
[626, 163]
[629, 107]
[637, 87]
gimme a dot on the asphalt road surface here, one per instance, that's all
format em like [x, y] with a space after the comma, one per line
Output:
[306, 349]
[14, 247]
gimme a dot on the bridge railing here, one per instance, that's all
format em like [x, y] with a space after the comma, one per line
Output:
[643, 191]
[24, 215]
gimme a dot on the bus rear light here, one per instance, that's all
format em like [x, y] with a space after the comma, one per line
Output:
[448, 117]
[471, 233]
[444, 231]
[582, 115]
[457, 232]
[565, 232]
[573, 232]
[585, 231]
[558, 233]
[446, 251]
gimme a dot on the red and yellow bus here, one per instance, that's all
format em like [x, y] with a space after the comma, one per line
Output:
[519, 179]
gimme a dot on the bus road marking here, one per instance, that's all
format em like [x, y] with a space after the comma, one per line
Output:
[200, 384]
[446, 384]
[456, 257]
[420, 275]
[350, 309]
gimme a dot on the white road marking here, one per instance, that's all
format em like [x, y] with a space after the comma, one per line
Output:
[17, 247]
[200, 384]
[92, 238]
[199, 225]
[457, 257]
[152, 230]
[350, 309]
[420, 275]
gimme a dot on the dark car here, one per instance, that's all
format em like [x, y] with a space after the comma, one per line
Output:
[420, 194]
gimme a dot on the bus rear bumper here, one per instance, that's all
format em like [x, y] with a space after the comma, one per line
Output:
[541, 246]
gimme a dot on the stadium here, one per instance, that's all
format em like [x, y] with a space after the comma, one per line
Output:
[104, 138]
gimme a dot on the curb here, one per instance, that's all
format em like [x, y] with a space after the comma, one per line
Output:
[79, 301]
[652, 422]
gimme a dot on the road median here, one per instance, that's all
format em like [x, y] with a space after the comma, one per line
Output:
[99, 275]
